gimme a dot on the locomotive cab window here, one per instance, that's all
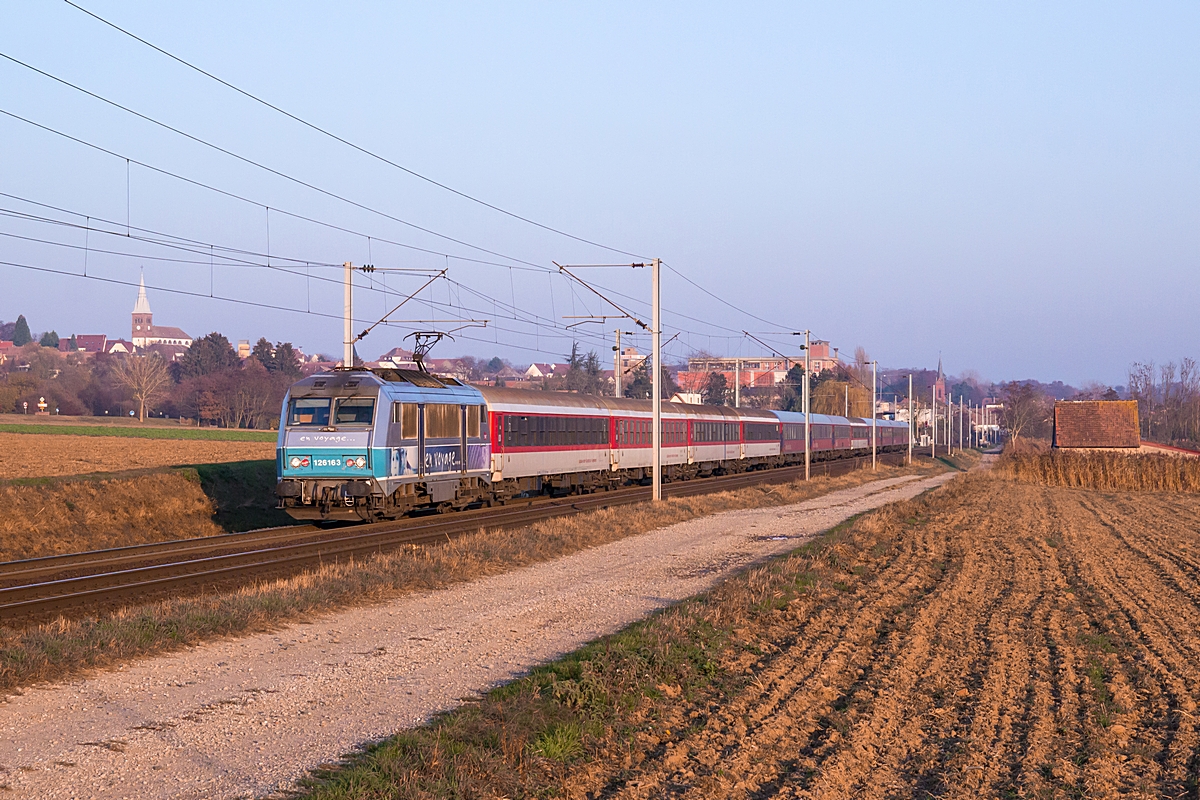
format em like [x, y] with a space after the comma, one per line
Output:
[309, 411]
[355, 411]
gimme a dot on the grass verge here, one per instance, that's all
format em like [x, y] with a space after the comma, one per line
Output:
[206, 434]
[69, 647]
[579, 726]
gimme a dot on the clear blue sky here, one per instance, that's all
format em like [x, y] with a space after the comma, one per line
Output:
[1013, 186]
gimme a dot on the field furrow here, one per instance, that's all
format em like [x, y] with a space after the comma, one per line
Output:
[1002, 640]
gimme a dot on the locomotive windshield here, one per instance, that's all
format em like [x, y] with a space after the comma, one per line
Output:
[355, 411]
[309, 411]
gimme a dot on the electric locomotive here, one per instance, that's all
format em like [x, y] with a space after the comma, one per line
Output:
[359, 444]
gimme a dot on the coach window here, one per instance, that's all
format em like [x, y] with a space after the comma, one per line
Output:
[405, 415]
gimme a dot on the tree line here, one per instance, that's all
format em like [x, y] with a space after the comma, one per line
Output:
[210, 383]
[1168, 398]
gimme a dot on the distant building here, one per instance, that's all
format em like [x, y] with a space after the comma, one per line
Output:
[1092, 424]
[168, 352]
[539, 371]
[145, 333]
[243, 349]
[693, 398]
[84, 343]
[755, 371]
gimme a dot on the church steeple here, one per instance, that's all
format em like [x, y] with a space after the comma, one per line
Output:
[141, 316]
[143, 305]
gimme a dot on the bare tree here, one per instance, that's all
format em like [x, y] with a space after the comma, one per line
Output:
[1026, 410]
[146, 378]
[862, 366]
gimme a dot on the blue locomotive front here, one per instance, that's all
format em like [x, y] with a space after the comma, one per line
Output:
[358, 444]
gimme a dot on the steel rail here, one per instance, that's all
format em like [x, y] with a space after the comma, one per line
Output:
[213, 571]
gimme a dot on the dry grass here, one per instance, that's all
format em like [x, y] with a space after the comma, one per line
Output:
[64, 648]
[73, 516]
[69, 515]
[988, 639]
[1107, 471]
[36, 455]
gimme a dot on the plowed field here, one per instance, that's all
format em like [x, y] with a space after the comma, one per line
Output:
[1017, 642]
[40, 455]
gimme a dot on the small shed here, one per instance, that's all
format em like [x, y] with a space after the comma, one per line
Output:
[1096, 424]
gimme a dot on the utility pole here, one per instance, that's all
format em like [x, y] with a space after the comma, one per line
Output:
[847, 408]
[807, 416]
[912, 420]
[656, 342]
[737, 383]
[874, 410]
[933, 422]
[961, 410]
[617, 366]
[347, 334]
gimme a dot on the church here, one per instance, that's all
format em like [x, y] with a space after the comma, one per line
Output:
[145, 333]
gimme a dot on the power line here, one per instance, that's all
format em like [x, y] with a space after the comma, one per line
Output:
[346, 142]
[244, 159]
[313, 187]
[318, 189]
[721, 299]
[171, 291]
[533, 265]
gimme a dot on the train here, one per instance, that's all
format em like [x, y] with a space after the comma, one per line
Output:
[371, 444]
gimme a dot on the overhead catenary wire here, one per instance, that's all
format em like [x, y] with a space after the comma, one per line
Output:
[531, 265]
[348, 143]
[130, 160]
[227, 261]
[313, 187]
[257, 164]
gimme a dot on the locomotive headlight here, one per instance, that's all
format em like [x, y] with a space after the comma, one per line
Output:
[295, 462]
[360, 462]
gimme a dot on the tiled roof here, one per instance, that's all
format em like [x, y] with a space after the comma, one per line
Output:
[1096, 423]
[166, 332]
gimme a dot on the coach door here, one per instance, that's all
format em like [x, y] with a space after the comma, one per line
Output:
[618, 441]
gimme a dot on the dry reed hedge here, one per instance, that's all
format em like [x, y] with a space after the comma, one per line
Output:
[1106, 471]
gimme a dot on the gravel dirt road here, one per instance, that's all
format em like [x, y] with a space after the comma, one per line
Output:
[246, 718]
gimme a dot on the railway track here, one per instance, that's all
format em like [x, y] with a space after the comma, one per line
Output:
[85, 582]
